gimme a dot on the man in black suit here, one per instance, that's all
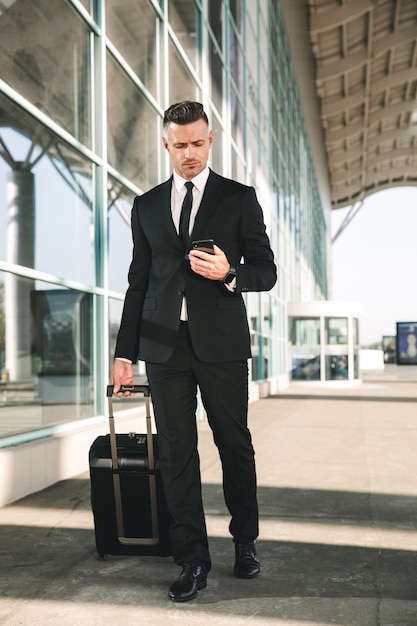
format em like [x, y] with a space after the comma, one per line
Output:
[184, 315]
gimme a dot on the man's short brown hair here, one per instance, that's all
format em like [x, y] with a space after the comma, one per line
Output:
[184, 113]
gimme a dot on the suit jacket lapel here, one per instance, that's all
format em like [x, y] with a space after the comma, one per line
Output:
[209, 203]
[165, 216]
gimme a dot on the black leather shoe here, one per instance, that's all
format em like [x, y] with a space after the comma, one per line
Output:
[247, 562]
[189, 582]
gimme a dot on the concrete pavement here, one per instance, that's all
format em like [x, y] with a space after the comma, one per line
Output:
[337, 473]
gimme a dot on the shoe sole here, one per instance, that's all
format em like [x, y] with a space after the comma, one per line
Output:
[200, 586]
[247, 577]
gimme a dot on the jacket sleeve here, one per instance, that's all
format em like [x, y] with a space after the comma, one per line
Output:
[138, 277]
[256, 271]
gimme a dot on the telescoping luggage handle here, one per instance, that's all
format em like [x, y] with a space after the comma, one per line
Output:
[147, 541]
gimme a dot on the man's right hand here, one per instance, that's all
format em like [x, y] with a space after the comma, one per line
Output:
[121, 374]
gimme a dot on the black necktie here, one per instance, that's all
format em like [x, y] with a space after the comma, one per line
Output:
[185, 214]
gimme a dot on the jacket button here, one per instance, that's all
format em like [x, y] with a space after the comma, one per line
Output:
[180, 293]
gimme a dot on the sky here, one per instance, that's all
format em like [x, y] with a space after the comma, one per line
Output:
[374, 261]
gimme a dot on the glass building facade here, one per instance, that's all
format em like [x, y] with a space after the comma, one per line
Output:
[83, 87]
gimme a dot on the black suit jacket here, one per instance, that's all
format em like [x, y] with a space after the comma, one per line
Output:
[159, 275]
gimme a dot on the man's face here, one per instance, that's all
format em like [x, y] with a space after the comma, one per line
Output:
[189, 146]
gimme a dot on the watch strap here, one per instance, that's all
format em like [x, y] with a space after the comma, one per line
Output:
[230, 275]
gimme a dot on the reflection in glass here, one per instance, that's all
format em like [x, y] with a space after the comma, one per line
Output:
[336, 330]
[305, 363]
[45, 355]
[305, 351]
[56, 83]
[61, 336]
[181, 85]
[238, 168]
[236, 10]
[48, 190]
[133, 126]
[305, 331]
[120, 202]
[216, 75]
[215, 16]
[238, 127]
[182, 16]
[337, 367]
[132, 27]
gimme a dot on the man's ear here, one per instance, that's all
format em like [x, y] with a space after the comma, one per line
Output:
[164, 141]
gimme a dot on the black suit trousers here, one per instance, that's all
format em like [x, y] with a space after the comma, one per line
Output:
[224, 392]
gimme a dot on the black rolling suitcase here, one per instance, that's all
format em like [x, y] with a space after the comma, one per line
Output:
[127, 497]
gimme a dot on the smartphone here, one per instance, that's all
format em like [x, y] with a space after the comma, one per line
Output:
[204, 245]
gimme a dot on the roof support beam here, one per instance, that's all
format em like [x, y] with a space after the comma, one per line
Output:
[339, 15]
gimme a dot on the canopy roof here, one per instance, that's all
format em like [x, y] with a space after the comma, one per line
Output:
[366, 78]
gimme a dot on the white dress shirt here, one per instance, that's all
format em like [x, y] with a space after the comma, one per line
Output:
[177, 198]
[178, 194]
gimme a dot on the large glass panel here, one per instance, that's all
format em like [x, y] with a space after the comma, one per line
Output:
[181, 85]
[215, 16]
[133, 129]
[216, 75]
[238, 168]
[336, 330]
[132, 27]
[252, 152]
[120, 238]
[237, 89]
[337, 359]
[305, 363]
[46, 214]
[45, 56]
[337, 367]
[45, 355]
[305, 331]
[305, 348]
[183, 18]
[236, 10]
[238, 121]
